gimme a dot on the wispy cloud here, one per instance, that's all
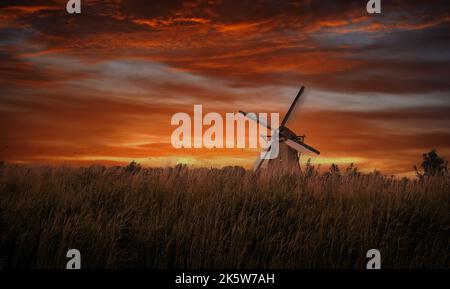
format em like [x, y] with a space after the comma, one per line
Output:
[101, 86]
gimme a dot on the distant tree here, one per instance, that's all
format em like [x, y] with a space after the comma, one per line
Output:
[376, 173]
[352, 170]
[432, 165]
[335, 170]
[133, 167]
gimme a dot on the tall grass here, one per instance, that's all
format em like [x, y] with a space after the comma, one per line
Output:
[178, 217]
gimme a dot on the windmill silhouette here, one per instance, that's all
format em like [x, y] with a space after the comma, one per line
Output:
[290, 144]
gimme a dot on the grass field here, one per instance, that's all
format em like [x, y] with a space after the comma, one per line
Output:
[132, 217]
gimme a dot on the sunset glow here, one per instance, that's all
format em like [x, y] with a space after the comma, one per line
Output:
[101, 87]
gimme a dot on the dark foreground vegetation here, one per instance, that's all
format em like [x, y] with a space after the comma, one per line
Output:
[133, 217]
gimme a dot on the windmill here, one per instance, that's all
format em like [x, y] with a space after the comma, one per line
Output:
[290, 144]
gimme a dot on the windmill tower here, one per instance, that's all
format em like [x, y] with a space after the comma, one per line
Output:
[290, 144]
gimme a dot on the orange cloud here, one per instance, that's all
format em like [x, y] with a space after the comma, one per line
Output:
[101, 87]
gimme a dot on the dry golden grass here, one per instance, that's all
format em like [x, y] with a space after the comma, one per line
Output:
[211, 218]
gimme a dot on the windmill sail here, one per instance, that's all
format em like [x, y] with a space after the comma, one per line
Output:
[290, 143]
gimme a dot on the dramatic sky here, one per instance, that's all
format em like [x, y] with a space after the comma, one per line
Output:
[101, 86]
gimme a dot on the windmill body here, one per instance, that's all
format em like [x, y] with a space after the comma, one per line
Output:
[288, 158]
[290, 145]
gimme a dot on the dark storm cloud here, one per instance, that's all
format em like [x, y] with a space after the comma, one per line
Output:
[235, 40]
[150, 9]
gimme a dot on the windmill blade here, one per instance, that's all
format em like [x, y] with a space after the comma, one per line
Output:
[250, 116]
[291, 109]
[260, 160]
[301, 147]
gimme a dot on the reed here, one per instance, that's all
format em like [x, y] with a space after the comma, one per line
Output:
[133, 217]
